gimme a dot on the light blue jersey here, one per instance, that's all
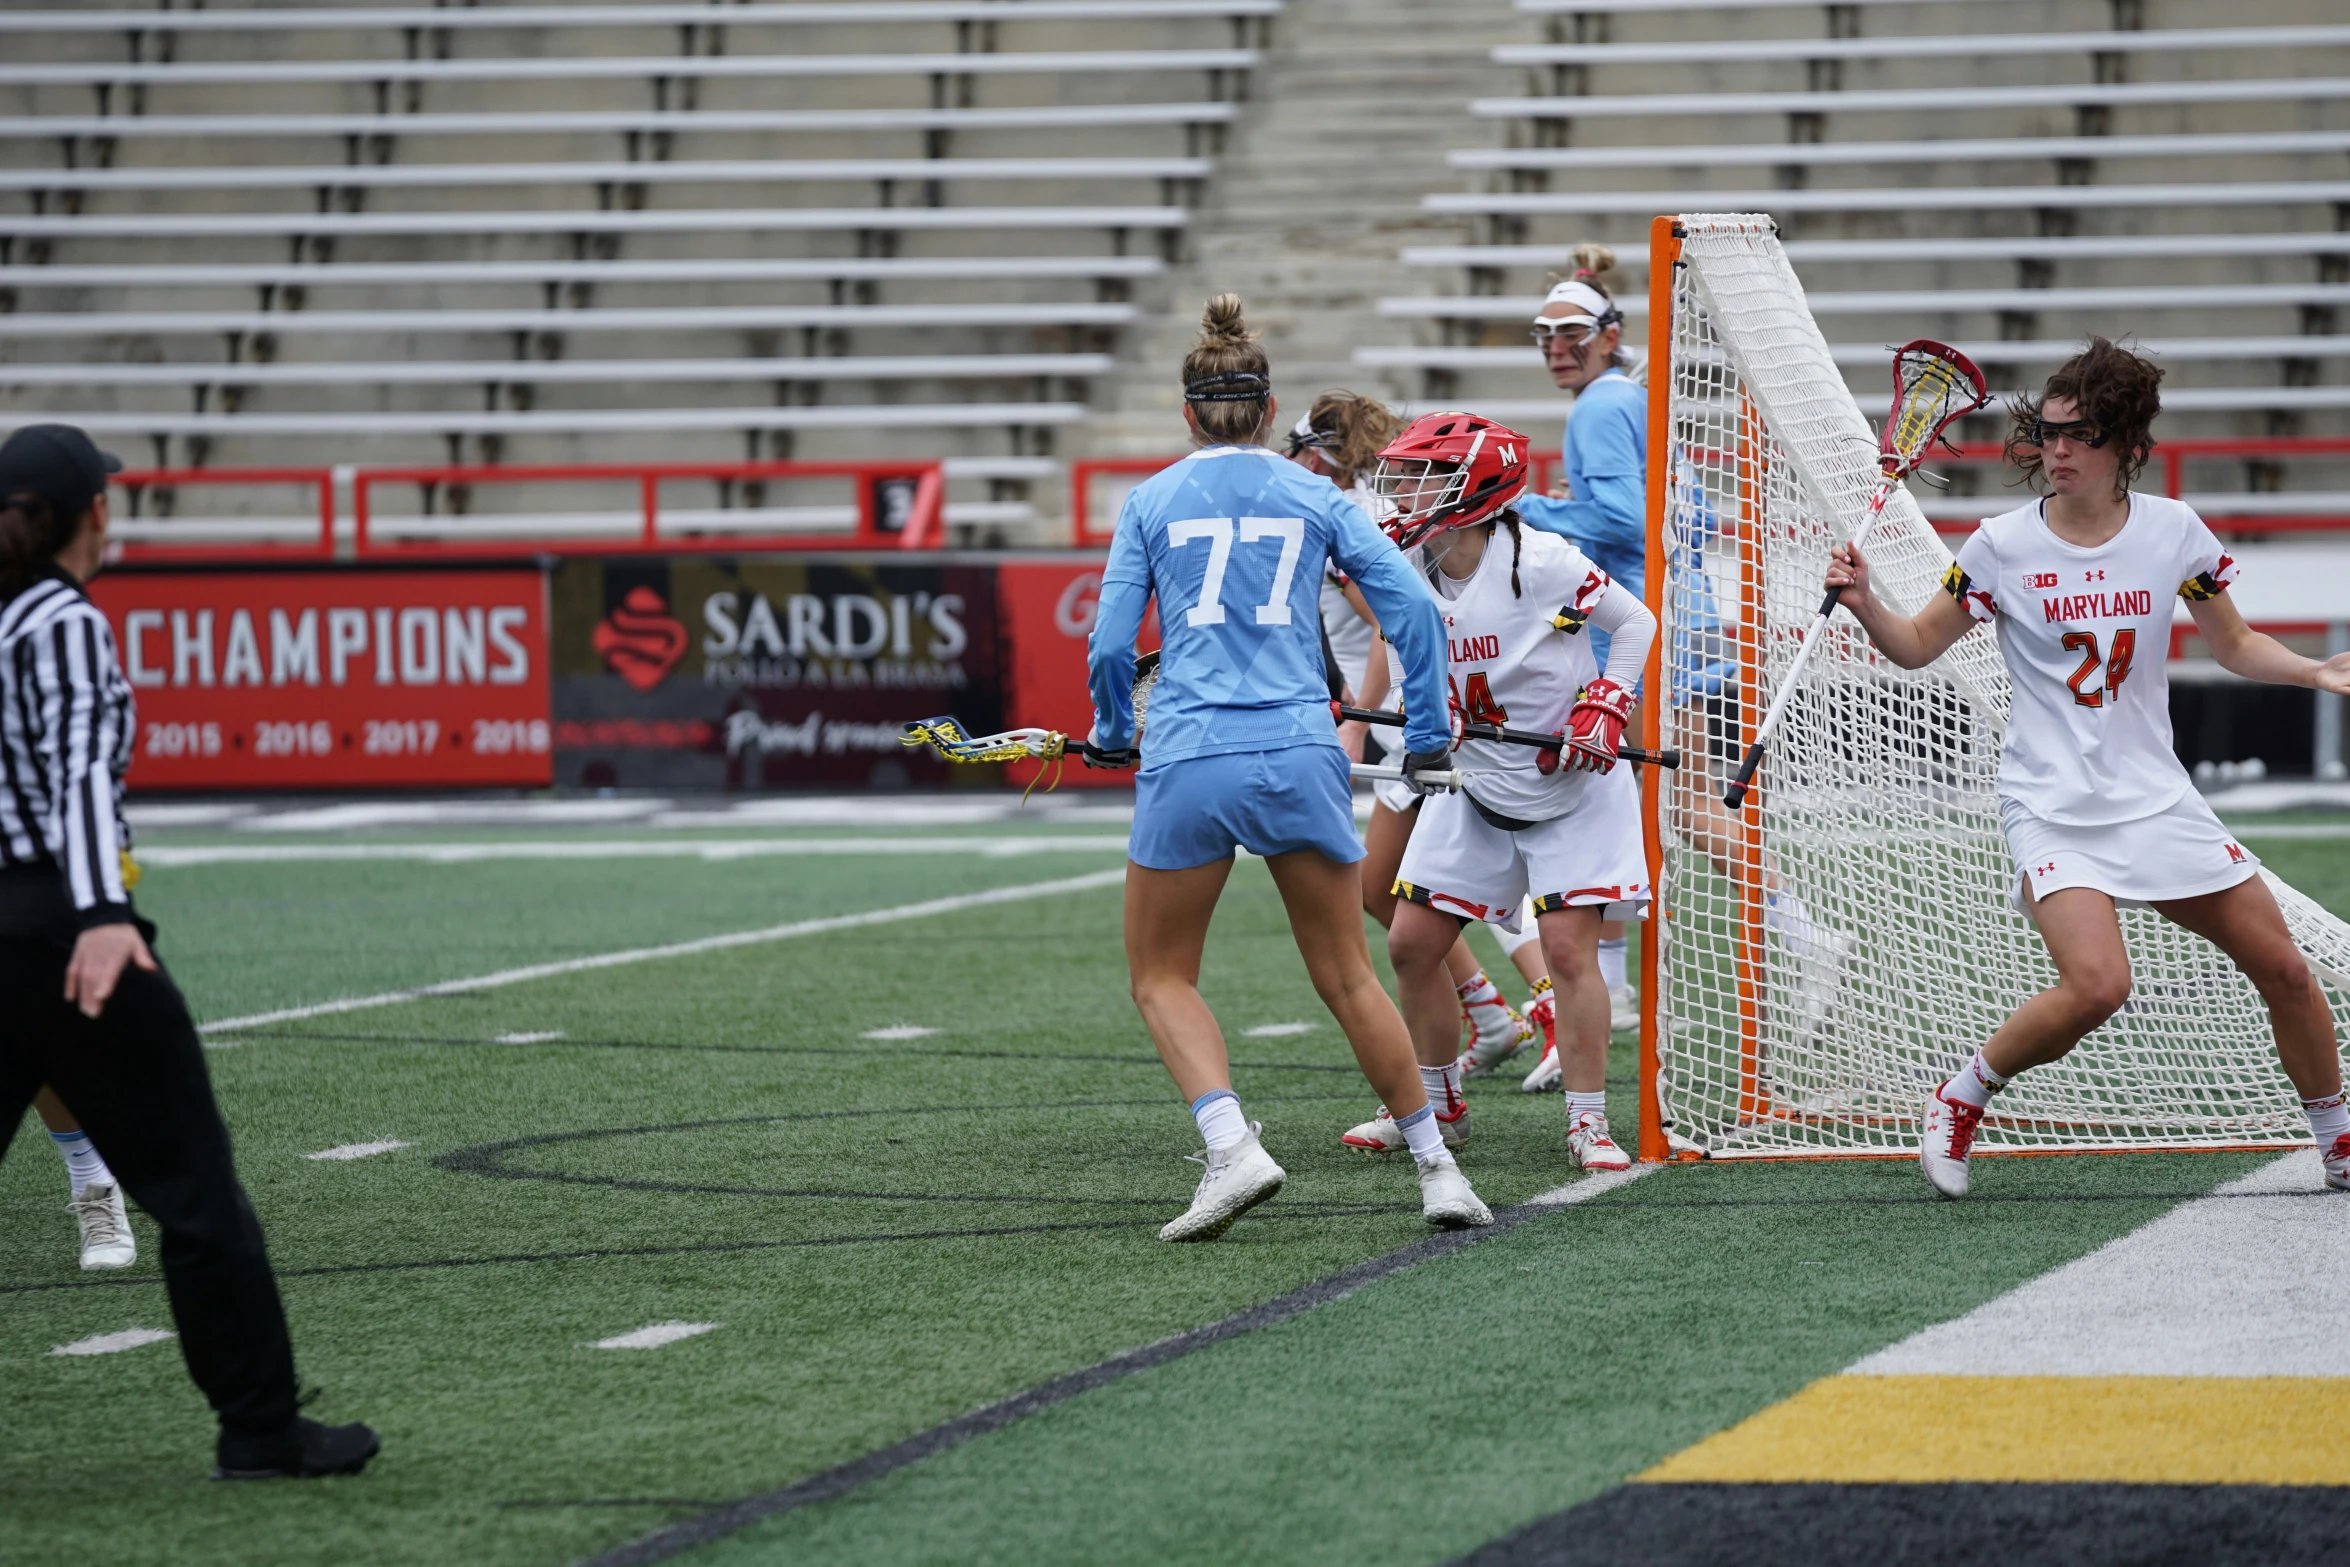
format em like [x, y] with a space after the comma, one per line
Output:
[1232, 541]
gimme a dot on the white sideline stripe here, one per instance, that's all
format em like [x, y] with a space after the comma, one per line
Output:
[994, 846]
[2247, 1282]
[899, 1031]
[1590, 1186]
[681, 949]
[1277, 1030]
[533, 1037]
[114, 1343]
[358, 1150]
[658, 1334]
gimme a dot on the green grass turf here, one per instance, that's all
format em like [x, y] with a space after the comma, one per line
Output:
[1557, 1358]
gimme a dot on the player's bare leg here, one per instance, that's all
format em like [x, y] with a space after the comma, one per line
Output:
[1338, 960]
[2083, 935]
[2245, 923]
[1431, 1020]
[1570, 946]
[1167, 915]
[1496, 1031]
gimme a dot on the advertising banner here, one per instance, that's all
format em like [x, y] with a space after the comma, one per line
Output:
[1048, 610]
[714, 672]
[334, 679]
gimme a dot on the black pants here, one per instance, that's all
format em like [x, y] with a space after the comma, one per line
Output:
[135, 1079]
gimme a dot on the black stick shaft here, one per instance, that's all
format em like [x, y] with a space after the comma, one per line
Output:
[1509, 736]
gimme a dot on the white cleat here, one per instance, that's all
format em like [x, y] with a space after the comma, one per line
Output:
[1590, 1147]
[1546, 1078]
[1623, 1008]
[1496, 1033]
[1380, 1134]
[1947, 1136]
[2337, 1164]
[1236, 1180]
[1447, 1200]
[107, 1241]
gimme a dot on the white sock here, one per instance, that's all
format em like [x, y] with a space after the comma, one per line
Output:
[2329, 1118]
[83, 1167]
[1477, 990]
[1443, 1084]
[1423, 1137]
[1611, 962]
[1221, 1125]
[1976, 1083]
[1785, 916]
[1581, 1105]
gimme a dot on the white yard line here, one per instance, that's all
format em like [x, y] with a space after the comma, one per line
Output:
[899, 1031]
[2247, 1282]
[682, 949]
[658, 1334]
[1277, 1030]
[359, 1150]
[534, 1037]
[114, 1343]
[1590, 1186]
[994, 846]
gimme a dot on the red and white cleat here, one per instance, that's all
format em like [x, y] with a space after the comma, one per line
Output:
[2337, 1164]
[1496, 1033]
[1590, 1147]
[1380, 1134]
[1546, 1078]
[1947, 1137]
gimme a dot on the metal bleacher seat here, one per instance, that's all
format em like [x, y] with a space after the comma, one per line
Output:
[424, 208]
[2003, 178]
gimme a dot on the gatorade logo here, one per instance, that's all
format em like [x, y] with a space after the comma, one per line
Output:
[640, 641]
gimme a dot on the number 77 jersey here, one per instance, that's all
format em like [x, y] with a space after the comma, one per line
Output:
[2086, 635]
[1232, 541]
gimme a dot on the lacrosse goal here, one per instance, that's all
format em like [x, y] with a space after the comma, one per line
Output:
[1828, 954]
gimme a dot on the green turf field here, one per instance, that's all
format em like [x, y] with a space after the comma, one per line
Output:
[891, 1233]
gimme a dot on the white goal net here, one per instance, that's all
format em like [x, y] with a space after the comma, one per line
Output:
[1833, 951]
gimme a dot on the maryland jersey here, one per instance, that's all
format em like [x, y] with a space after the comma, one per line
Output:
[1508, 663]
[2086, 634]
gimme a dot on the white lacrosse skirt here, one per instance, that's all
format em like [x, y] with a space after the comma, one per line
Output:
[1459, 863]
[2182, 852]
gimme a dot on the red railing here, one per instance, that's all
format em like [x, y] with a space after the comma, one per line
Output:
[2173, 457]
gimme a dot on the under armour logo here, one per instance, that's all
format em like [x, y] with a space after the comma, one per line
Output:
[2092, 576]
[2045, 870]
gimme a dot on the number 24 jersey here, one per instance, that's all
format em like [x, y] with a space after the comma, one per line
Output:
[2086, 636]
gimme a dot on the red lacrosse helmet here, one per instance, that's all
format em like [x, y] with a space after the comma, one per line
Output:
[1448, 470]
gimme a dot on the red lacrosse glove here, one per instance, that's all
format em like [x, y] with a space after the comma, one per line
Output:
[1596, 727]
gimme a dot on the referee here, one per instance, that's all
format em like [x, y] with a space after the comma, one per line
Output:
[89, 1011]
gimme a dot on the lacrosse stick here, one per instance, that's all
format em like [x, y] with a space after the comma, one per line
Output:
[1508, 736]
[1933, 386]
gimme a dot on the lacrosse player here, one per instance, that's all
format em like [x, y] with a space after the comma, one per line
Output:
[2099, 814]
[1340, 439]
[1239, 749]
[1563, 826]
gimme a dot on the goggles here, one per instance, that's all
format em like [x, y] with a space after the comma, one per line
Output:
[2084, 432]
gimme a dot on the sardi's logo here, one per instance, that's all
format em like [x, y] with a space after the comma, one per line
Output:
[640, 641]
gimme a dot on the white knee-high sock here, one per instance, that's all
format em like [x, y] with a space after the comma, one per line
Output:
[1611, 962]
[83, 1167]
[1221, 1125]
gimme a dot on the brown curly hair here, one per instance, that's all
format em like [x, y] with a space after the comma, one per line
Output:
[2115, 388]
[1356, 427]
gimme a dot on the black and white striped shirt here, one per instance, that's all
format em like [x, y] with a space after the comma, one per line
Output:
[66, 730]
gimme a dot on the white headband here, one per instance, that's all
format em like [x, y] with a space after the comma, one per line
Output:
[1593, 305]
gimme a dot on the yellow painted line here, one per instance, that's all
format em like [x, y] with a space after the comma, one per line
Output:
[2131, 1430]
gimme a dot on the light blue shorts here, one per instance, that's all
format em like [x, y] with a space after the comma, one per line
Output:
[1198, 810]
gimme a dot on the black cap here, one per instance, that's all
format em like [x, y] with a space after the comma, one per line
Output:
[57, 462]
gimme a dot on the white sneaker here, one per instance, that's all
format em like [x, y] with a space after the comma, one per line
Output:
[1947, 1135]
[1623, 1008]
[1380, 1134]
[1447, 1200]
[2337, 1164]
[1546, 1078]
[1236, 1180]
[107, 1241]
[1589, 1147]
[1496, 1033]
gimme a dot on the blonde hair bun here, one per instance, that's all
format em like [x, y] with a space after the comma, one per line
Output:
[1597, 260]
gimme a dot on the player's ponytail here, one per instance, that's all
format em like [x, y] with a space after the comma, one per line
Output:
[1353, 429]
[1517, 548]
[1227, 381]
[1594, 264]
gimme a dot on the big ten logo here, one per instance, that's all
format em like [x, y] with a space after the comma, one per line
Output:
[833, 639]
[391, 645]
[2040, 579]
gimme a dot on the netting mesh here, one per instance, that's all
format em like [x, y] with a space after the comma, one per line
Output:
[1835, 950]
